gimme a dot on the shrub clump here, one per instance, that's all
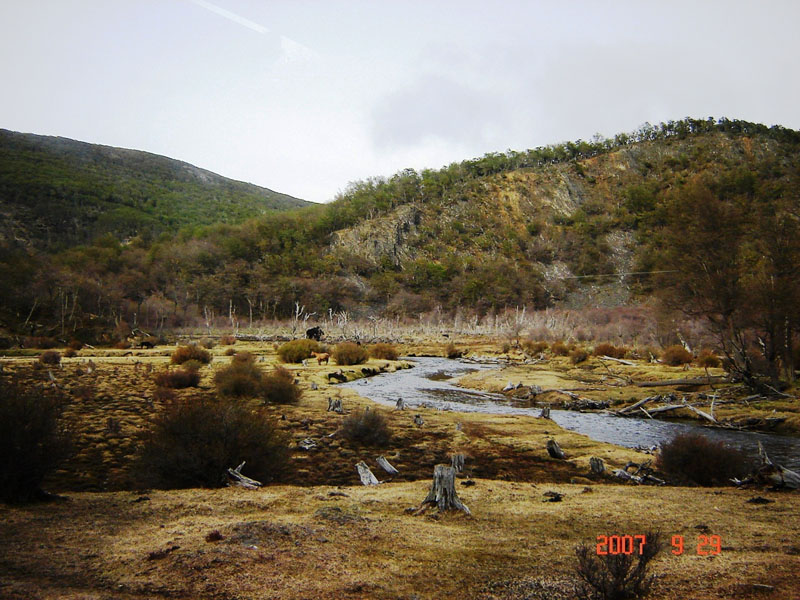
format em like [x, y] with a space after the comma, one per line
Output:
[298, 350]
[184, 353]
[676, 355]
[534, 347]
[70, 352]
[194, 441]
[559, 348]
[348, 353]
[707, 359]
[207, 343]
[616, 576]
[50, 357]
[384, 351]
[242, 357]
[192, 365]
[367, 427]
[611, 350]
[452, 351]
[227, 340]
[578, 355]
[32, 441]
[278, 387]
[694, 458]
[42, 343]
[178, 380]
[229, 352]
[242, 379]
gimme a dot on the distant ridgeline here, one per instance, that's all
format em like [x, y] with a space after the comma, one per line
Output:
[536, 228]
[56, 192]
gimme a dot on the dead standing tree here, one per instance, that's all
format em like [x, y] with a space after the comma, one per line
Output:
[443, 492]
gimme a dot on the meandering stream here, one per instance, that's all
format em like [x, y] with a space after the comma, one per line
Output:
[428, 383]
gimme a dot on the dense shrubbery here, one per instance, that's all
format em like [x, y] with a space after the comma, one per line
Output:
[278, 387]
[32, 442]
[42, 343]
[193, 442]
[676, 355]
[707, 359]
[227, 340]
[534, 347]
[298, 350]
[578, 355]
[180, 379]
[366, 427]
[559, 348]
[240, 379]
[693, 458]
[611, 350]
[184, 353]
[207, 343]
[384, 351]
[70, 352]
[348, 353]
[452, 351]
[50, 357]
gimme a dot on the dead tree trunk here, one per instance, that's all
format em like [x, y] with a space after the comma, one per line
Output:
[775, 475]
[367, 478]
[554, 450]
[386, 466]
[335, 405]
[457, 462]
[545, 414]
[443, 491]
[419, 421]
[236, 477]
[400, 404]
[597, 466]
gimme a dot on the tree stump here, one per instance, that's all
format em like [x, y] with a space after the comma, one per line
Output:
[545, 414]
[554, 450]
[236, 478]
[419, 421]
[335, 405]
[367, 478]
[400, 404]
[381, 460]
[597, 466]
[443, 491]
[457, 462]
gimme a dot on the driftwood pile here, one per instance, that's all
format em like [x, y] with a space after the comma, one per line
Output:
[768, 473]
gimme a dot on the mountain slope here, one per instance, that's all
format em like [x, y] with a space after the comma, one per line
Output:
[57, 192]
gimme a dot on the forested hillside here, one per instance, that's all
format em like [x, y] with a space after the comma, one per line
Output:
[56, 192]
[536, 228]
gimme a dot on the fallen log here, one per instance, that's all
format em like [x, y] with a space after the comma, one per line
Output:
[638, 404]
[619, 360]
[236, 477]
[366, 476]
[776, 475]
[673, 382]
[443, 492]
[699, 412]
[384, 464]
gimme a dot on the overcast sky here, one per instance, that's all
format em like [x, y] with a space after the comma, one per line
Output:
[305, 96]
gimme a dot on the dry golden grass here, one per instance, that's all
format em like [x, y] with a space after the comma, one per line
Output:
[298, 541]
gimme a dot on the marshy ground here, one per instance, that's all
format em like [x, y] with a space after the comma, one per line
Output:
[320, 534]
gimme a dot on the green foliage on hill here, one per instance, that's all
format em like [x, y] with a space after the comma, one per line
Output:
[58, 192]
[522, 228]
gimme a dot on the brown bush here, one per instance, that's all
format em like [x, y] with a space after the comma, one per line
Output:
[616, 576]
[676, 355]
[50, 357]
[559, 348]
[708, 359]
[298, 350]
[578, 355]
[278, 387]
[32, 441]
[70, 353]
[192, 365]
[348, 353]
[384, 351]
[184, 353]
[227, 340]
[206, 343]
[194, 441]
[452, 351]
[240, 380]
[611, 350]
[39, 342]
[694, 458]
[505, 348]
[243, 357]
[230, 352]
[75, 344]
[367, 427]
[121, 345]
[178, 380]
[534, 347]
[162, 394]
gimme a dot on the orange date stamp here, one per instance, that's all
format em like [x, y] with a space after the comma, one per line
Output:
[707, 545]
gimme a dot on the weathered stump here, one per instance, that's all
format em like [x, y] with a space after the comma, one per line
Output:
[545, 414]
[366, 476]
[457, 462]
[335, 405]
[236, 478]
[443, 491]
[554, 450]
[400, 404]
[419, 421]
[597, 466]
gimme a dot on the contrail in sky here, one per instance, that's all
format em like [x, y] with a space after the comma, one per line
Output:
[231, 16]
